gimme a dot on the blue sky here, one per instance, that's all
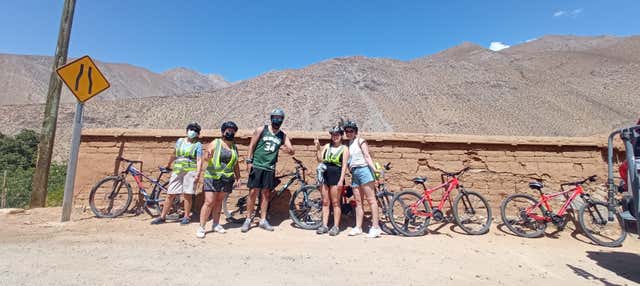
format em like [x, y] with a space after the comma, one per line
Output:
[242, 39]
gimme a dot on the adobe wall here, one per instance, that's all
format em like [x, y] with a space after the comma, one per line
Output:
[502, 165]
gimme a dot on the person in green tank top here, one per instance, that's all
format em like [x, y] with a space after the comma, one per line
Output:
[221, 175]
[261, 163]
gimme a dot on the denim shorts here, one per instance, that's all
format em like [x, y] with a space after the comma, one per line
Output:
[361, 176]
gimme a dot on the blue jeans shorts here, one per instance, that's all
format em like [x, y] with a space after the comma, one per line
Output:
[361, 176]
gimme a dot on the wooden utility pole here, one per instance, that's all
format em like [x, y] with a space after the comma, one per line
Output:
[45, 147]
[3, 199]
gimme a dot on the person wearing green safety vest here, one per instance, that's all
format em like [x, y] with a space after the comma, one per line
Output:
[187, 162]
[335, 156]
[221, 175]
[261, 163]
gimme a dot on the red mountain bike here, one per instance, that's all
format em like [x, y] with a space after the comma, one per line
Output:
[411, 212]
[527, 217]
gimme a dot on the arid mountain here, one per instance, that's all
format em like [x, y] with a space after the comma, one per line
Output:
[25, 79]
[553, 86]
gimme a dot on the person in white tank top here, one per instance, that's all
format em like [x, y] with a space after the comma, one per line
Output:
[363, 179]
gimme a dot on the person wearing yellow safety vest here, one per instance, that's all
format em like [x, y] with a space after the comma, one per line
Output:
[187, 162]
[335, 156]
[221, 175]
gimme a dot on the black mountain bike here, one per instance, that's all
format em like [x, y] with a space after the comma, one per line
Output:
[305, 206]
[111, 196]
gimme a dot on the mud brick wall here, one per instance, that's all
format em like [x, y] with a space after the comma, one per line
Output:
[501, 165]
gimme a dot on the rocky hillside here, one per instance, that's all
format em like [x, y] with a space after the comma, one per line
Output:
[25, 79]
[553, 86]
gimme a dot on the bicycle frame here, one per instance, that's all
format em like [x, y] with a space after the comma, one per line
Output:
[544, 199]
[139, 175]
[447, 186]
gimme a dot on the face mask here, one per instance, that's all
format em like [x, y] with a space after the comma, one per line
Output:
[229, 135]
[276, 122]
[191, 134]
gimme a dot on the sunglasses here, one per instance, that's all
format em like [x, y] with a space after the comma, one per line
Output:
[349, 131]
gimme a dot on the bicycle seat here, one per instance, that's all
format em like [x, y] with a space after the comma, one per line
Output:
[419, 180]
[536, 185]
[164, 170]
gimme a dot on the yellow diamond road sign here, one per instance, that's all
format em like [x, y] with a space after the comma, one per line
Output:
[83, 78]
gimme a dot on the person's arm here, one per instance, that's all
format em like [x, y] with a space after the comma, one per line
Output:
[367, 157]
[288, 147]
[172, 157]
[208, 154]
[252, 145]
[236, 171]
[199, 164]
[345, 159]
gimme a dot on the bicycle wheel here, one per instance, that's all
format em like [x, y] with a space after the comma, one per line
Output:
[305, 207]
[514, 215]
[472, 212]
[235, 210]
[110, 197]
[593, 219]
[384, 201]
[408, 216]
[154, 204]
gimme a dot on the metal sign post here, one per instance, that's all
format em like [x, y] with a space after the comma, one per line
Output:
[67, 200]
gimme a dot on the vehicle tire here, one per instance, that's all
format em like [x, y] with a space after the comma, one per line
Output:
[472, 212]
[593, 219]
[305, 207]
[406, 221]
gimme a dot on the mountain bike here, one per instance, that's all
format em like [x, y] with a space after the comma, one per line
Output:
[410, 212]
[112, 195]
[528, 217]
[305, 206]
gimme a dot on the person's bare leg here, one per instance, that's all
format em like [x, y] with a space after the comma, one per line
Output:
[359, 210]
[264, 206]
[168, 204]
[370, 194]
[326, 201]
[253, 194]
[188, 201]
[334, 193]
[217, 206]
[206, 208]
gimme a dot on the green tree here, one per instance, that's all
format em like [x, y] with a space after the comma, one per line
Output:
[18, 157]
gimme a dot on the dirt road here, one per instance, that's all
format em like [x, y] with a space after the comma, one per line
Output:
[36, 249]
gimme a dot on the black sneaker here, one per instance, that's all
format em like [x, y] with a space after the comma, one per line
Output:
[158, 220]
[185, 220]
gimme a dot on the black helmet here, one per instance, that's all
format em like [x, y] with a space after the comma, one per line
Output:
[194, 126]
[277, 112]
[336, 129]
[350, 124]
[227, 125]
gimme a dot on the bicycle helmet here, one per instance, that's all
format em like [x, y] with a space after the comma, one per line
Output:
[194, 126]
[277, 112]
[336, 129]
[227, 125]
[350, 124]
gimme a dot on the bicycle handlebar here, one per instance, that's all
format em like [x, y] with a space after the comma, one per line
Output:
[448, 174]
[590, 179]
[299, 164]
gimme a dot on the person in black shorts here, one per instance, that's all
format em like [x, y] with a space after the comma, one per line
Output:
[332, 155]
[221, 175]
[261, 163]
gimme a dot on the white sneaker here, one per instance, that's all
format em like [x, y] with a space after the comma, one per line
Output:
[355, 231]
[219, 228]
[201, 232]
[374, 232]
